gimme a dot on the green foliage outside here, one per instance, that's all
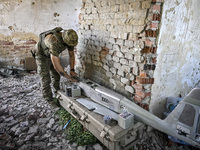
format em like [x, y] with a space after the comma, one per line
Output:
[75, 130]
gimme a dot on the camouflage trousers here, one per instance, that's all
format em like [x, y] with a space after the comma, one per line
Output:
[48, 76]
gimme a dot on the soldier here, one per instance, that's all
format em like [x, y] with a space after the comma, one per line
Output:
[51, 44]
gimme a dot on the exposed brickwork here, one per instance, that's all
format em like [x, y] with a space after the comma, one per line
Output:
[13, 53]
[128, 30]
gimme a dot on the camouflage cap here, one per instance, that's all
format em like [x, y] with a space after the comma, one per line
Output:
[70, 37]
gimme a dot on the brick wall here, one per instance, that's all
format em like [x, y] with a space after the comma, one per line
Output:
[117, 45]
[14, 53]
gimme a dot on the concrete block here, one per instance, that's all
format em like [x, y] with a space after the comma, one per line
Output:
[129, 89]
[30, 63]
[124, 80]
[135, 71]
[123, 36]
[133, 64]
[112, 81]
[129, 56]
[109, 74]
[121, 73]
[117, 65]
[111, 40]
[138, 58]
[120, 42]
[125, 49]
[108, 57]
[113, 70]
[116, 47]
[123, 61]
[116, 59]
[126, 68]
[119, 54]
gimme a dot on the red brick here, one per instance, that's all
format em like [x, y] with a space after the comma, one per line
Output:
[132, 83]
[145, 106]
[138, 99]
[6, 43]
[143, 74]
[142, 94]
[138, 87]
[150, 33]
[19, 47]
[146, 50]
[156, 8]
[156, 17]
[154, 60]
[141, 80]
[154, 26]
[31, 42]
[149, 43]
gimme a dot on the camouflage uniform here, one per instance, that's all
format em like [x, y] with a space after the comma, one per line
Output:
[50, 42]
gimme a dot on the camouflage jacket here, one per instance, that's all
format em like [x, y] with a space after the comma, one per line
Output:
[51, 42]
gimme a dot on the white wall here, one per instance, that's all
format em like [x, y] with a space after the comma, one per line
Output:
[178, 61]
[20, 17]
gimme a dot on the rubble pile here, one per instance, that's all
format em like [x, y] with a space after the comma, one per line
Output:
[27, 122]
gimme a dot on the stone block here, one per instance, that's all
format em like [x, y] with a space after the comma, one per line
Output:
[114, 34]
[129, 56]
[146, 5]
[125, 49]
[120, 42]
[132, 36]
[112, 81]
[116, 47]
[116, 59]
[123, 61]
[135, 71]
[129, 29]
[108, 57]
[117, 65]
[119, 54]
[126, 68]
[113, 70]
[138, 58]
[124, 80]
[109, 74]
[134, 6]
[133, 64]
[112, 40]
[120, 72]
[129, 89]
[123, 36]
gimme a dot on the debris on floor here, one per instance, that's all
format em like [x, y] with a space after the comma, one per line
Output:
[27, 122]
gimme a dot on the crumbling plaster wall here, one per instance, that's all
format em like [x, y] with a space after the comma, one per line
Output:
[178, 61]
[21, 21]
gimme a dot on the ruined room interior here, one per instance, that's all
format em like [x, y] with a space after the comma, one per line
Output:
[145, 50]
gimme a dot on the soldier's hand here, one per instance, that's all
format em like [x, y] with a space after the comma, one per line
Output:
[72, 79]
[73, 74]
